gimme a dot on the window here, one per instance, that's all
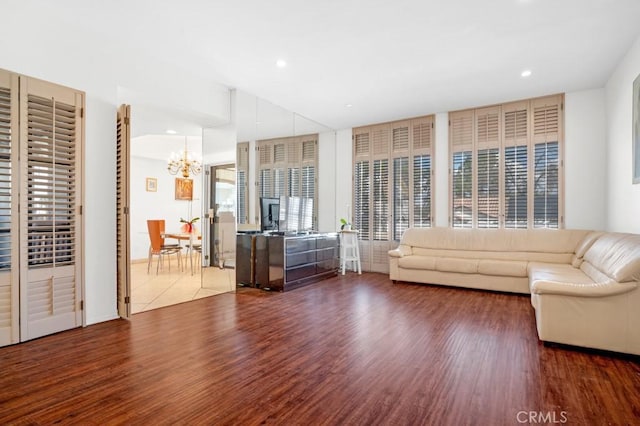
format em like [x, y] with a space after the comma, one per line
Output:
[392, 185]
[506, 165]
[288, 167]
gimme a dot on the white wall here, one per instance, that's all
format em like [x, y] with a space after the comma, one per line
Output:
[441, 168]
[585, 173]
[157, 205]
[623, 201]
[344, 176]
[327, 182]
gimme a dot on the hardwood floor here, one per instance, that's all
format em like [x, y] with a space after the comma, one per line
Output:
[348, 350]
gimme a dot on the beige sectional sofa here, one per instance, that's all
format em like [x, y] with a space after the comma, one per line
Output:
[584, 285]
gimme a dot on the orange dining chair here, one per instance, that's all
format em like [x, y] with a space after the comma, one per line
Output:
[158, 247]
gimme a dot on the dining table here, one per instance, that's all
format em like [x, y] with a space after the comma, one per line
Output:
[185, 236]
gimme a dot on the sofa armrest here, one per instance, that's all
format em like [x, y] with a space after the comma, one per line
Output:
[401, 251]
[581, 290]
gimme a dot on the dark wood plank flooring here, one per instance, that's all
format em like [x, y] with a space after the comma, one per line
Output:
[348, 350]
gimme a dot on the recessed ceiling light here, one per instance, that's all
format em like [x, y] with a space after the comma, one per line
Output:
[281, 63]
[171, 132]
[526, 73]
[348, 105]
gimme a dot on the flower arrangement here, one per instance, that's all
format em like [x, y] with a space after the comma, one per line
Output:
[188, 226]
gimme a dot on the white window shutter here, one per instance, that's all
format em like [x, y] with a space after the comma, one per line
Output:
[461, 137]
[51, 187]
[242, 182]
[487, 177]
[9, 243]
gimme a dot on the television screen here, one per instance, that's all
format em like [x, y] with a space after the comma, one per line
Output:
[269, 214]
[306, 214]
[296, 214]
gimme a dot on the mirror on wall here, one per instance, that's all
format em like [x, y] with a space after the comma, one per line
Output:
[289, 166]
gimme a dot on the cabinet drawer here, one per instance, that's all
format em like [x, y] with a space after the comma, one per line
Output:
[298, 273]
[296, 259]
[298, 245]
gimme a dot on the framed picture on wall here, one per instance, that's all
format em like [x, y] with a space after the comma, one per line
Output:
[184, 189]
[152, 185]
[636, 130]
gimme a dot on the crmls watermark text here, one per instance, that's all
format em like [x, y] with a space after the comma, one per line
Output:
[542, 417]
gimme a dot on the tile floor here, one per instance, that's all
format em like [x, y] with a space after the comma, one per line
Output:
[151, 291]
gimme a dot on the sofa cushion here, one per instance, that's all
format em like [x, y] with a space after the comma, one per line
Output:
[400, 251]
[453, 264]
[616, 255]
[496, 255]
[582, 248]
[504, 268]
[417, 262]
[500, 240]
[556, 272]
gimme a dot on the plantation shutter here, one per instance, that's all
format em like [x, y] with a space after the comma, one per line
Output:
[381, 189]
[309, 166]
[392, 178]
[516, 154]
[461, 148]
[288, 167]
[279, 160]
[9, 266]
[401, 192]
[242, 183]
[51, 134]
[547, 128]
[487, 124]
[264, 164]
[421, 149]
[362, 210]
[294, 158]
[123, 145]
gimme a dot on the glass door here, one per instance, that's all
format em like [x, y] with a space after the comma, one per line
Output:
[222, 216]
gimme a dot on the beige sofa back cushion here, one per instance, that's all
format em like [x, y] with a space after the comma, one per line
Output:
[615, 255]
[498, 255]
[582, 248]
[488, 240]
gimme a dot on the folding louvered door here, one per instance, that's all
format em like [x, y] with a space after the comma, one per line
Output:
[392, 185]
[50, 201]
[9, 248]
[123, 139]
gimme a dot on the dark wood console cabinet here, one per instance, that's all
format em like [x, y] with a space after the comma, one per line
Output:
[285, 262]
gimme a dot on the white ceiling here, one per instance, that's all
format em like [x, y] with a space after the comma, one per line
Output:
[389, 59]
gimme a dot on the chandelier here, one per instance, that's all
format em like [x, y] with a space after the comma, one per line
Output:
[183, 162]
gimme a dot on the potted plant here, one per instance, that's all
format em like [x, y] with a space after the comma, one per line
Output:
[188, 226]
[346, 225]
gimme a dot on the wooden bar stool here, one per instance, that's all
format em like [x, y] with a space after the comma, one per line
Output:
[349, 250]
